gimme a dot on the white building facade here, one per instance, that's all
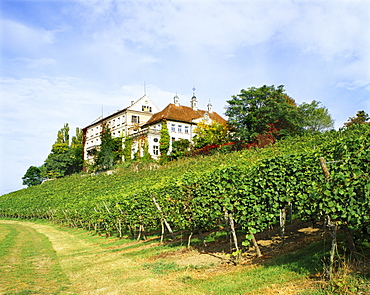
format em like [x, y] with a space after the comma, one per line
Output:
[181, 122]
[122, 123]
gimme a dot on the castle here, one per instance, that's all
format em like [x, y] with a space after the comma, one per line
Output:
[142, 121]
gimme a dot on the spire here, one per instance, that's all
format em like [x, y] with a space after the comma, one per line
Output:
[209, 107]
[176, 100]
[194, 102]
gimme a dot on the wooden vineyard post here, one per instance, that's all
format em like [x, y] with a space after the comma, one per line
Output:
[233, 231]
[351, 243]
[282, 226]
[163, 218]
[331, 225]
[254, 242]
[324, 168]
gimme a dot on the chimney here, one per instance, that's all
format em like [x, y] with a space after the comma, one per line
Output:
[132, 102]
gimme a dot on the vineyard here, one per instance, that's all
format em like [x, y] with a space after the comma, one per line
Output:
[248, 191]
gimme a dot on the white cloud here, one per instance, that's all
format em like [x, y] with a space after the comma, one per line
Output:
[18, 37]
[34, 109]
[318, 49]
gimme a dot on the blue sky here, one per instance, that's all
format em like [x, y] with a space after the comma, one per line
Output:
[61, 61]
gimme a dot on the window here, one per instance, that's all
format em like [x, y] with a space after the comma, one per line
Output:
[173, 127]
[180, 128]
[186, 129]
[155, 139]
[146, 109]
[155, 150]
[135, 119]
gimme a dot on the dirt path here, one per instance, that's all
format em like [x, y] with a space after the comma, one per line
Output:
[86, 267]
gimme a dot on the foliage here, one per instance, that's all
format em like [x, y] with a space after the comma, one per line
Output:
[361, 118]
[106, 157]
[253, 111]
[61, 160]
[194, 195]
[257, 111]
[76, 152]
[164, 142]
[33, 176]
[127, 150]
[180, 148]
[315, 118]
[146, 157]
[117, 149]
[208, 134]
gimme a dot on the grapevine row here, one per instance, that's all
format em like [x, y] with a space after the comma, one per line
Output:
[253, 190]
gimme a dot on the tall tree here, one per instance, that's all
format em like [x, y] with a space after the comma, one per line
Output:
[315, 117]
[77, 152]
[33, 176]
[105, 158]
[214, 133]
[179, 148]
[127, 150]
[361, 118]
[60, 160]
[164, 142]
[256, 110]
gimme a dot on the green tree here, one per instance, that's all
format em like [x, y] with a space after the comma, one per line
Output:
[315, 118]
[147, 157]
[127, 150]
[105, 158]
[118, 149]
[256, 110]
[361, 118]
[179, 148]
[60, 160]
[208, 134]
[33, 176]
[76, 152]
[164, 142]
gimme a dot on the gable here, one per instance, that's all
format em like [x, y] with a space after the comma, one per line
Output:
[144, 104]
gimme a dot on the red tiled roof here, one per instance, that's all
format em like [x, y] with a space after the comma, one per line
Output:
[182, 114]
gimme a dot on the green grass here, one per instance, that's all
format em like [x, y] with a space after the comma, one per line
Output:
[23, 249]
[28, 263]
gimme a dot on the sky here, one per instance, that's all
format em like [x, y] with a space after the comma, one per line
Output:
[71, 61]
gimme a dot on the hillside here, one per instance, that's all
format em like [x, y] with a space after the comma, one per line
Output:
[194, 193]
[240, 195]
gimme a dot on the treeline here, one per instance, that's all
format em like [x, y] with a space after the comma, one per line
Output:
[65, 158]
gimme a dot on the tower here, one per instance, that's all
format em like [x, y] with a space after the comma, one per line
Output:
[176, 100]
[194, 102]
[209, 107]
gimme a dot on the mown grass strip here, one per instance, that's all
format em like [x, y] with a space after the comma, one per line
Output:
[29, 264]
